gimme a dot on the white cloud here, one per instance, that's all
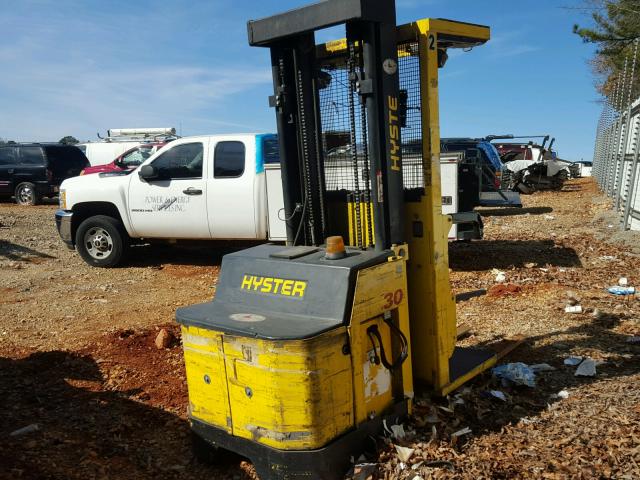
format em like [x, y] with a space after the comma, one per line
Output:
[509, 44]
[76, 71]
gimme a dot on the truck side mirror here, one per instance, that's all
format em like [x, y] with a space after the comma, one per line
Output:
[148, 172]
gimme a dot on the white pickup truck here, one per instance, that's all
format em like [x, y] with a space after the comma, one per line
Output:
[210, 187]
[216, 187]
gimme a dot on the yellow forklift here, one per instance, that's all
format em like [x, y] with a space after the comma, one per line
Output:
[307, 348]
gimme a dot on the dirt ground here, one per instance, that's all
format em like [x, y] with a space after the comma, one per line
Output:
[78, 359]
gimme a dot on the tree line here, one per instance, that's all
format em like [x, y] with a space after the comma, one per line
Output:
[67, 140]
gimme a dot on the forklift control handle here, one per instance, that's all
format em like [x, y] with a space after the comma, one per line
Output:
[374, 335]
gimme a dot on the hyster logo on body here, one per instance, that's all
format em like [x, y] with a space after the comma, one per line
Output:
[394, 134]
[277, 286]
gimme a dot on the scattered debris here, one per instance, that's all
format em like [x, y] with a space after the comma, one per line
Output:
[518, 373]
[573, 309]
[564, 394]
[28, 429]
[398, 432]
[459, 433]
[501, 277]
[542, 367]
[164, 339]
[587, 368]
[573, 361]
[404, 453]
[549, 217]
[364, 471]
[498, 394]
[623, 282]
[617, 290]
[572, 298]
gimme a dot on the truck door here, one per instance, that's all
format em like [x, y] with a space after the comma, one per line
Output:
[173, 205]
[234, 190]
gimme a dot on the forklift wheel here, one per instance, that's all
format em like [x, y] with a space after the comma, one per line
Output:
[203, 450]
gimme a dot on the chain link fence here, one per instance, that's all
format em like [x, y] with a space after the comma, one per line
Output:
[616, 158]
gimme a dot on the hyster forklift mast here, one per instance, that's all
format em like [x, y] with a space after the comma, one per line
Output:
[374, 128]
[307, 349]
[421, 50]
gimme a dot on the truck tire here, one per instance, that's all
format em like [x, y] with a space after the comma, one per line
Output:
[25, 194]
[102, 241]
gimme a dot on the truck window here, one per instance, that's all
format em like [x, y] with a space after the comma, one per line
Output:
[7, 156]
[228, 160]
[181, 161]
[137, 156]
[31, 156]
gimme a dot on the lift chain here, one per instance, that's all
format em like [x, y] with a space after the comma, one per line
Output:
[353, 80]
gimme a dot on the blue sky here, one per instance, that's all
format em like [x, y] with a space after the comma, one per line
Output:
[81, 67]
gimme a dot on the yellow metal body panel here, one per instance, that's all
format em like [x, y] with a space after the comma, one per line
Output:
[206, 378]
[379, 289]
[293, 394]
[300, 391]
[433, 316]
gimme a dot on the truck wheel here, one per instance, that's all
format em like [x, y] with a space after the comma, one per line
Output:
[25, 194]
[101, 241]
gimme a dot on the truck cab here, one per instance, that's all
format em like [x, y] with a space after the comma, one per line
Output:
[200, 188]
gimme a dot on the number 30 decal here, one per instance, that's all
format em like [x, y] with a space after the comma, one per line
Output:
[393, 298]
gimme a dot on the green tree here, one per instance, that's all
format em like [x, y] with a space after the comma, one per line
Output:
[616, 25]
[69, 140]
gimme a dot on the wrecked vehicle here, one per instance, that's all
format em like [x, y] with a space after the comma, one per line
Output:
[530, 166]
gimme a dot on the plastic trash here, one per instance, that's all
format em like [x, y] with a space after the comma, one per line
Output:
[518, 373]
[587, 368]
[618, 290]
[459, 433]
[623, 282]
[501, 277]
[398, 432]
[573, 309]
[28, 429]
[498, 394]
[404, 453]
[542, 367]
[573, 361]
[564, 394]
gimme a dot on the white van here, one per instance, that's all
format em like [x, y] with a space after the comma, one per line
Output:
[119, 140]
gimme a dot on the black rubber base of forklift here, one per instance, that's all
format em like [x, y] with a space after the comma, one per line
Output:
[328, 463]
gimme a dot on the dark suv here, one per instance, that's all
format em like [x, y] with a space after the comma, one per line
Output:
[35, 170]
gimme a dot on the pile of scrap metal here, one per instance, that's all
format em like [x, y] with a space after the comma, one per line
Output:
[530, 166]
